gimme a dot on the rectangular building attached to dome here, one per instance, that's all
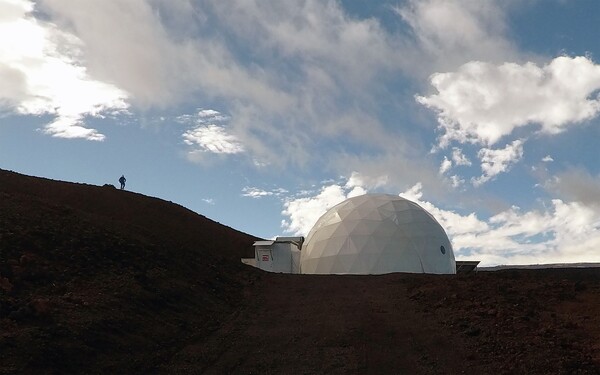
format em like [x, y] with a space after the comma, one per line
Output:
[280, 255]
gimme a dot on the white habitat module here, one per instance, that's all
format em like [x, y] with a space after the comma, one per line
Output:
[279, 255]
[377, 234]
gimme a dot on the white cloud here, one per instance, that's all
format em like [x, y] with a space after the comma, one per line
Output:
[318, 34]
[494, 162]
[360, 180]
[210, 133]
[208, 113]
[254, 192]
[259, 163]
[393, 170]
[42, 74]
[212, 116]
[213, 138]
[305, 71]
[459, 158]
[165, 51]
[566, 232]
[445, 165]
[308, 62]
[303, 212]
[309, 70]
[482, 102]
[547, 159]
[356, 179]
[576, 184]
[456, 181]
[449, 33]
[203, 116]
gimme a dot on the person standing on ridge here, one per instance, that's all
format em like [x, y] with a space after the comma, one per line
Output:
[122, 181]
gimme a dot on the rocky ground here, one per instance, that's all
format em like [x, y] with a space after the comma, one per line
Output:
[97, 280]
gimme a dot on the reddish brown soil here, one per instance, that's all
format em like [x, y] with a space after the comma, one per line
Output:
[96, 280]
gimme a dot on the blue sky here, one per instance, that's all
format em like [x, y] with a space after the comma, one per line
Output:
[263, 114]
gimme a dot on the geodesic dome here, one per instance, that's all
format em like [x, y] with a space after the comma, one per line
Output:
[376, 234]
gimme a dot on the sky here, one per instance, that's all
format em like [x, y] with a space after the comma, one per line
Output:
[262, 115]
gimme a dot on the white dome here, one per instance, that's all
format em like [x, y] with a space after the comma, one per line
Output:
[376, 234]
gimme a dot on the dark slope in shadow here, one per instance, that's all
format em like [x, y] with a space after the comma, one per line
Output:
[97, 279]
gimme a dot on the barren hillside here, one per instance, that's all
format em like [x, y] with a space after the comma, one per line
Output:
[108, 280]
[97, 280]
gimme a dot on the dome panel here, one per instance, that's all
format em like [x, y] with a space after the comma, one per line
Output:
[347, 248]
[364, 263]
[343, 264]
[402, 217]
[360, 241]
[401, 206]
[332, 246]
[328, 230]
[421, 216]
[386, 228]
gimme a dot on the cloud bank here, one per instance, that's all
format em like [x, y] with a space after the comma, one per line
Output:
[482, 102]
[563, 232]
[42, 74]
[208, 134]
[494, 162]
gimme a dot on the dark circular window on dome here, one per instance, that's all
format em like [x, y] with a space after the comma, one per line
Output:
[443, 249]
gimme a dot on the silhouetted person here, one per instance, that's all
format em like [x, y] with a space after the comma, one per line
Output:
[122, 181]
